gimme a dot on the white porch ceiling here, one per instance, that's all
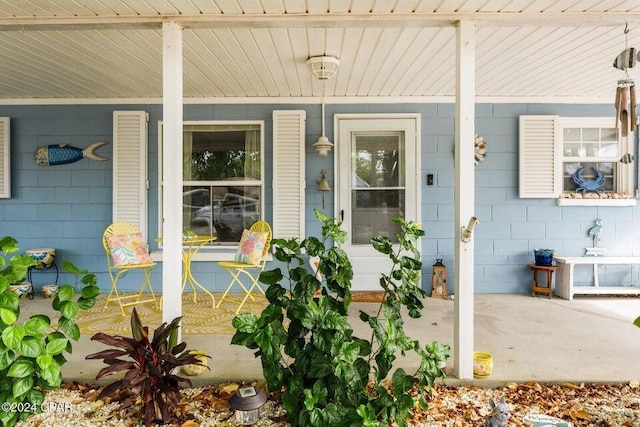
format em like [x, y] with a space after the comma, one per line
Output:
[256, 49]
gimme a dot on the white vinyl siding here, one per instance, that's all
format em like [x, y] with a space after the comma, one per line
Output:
[288, 174]
[5, 159]
[539, 157]
[130, 182]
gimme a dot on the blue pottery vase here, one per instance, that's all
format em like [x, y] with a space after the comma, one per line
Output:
[544, 257]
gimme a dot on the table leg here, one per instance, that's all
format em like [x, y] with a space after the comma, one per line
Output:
[187, 275]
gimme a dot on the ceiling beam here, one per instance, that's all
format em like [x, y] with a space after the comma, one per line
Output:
[498, 19]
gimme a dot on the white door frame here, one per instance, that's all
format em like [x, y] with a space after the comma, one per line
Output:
[364, 277]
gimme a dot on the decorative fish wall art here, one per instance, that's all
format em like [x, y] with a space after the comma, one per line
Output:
[627, 158]
[62, 154]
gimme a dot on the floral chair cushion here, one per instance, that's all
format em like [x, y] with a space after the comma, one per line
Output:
[251, 247]
[128, 249]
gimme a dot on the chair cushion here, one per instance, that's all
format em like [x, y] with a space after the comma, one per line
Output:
[128, 249]
[251, 247]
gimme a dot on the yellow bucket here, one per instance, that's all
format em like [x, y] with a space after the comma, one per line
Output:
[482, 364]
[196, 369]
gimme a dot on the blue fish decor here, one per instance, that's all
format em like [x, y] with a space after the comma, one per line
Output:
[62, 154]
[626, 59]
[627, 158]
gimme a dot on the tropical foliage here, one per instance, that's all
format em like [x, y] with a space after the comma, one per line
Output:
[32, 353]
[328, 376]
[150, 388]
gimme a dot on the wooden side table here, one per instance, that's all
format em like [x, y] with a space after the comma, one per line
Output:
[549, 269]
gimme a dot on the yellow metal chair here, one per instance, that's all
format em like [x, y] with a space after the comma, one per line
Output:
[252, 271]
[127, 251]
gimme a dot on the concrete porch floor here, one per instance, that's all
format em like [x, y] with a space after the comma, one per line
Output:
[589, 339]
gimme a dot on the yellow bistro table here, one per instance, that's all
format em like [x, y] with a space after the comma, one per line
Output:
[190, 247]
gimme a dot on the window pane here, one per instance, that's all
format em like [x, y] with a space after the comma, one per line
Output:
[591, 134]
[222, 152]
[196, 210]
[372, 214]
[222, 211]
[609, 134]
[376, 159]
[238, 209]
[571, 134]
[589, 175]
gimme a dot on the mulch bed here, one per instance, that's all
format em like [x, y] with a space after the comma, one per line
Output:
[614, 405]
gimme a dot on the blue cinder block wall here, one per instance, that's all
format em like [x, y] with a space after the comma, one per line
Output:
[68, 206]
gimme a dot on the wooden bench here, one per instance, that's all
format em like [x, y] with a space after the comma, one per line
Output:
[564, 279]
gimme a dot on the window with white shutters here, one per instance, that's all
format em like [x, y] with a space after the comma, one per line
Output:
[223, 179]
[579, 160]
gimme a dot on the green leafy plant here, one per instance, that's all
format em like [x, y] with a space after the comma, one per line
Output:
[328, 376]
[150, 388]
[32, 354]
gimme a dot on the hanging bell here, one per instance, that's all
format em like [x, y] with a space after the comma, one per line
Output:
[323, 184]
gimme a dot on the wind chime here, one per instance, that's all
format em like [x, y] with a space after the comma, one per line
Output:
[625, 103]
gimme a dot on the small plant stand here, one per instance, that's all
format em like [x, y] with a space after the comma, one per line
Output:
[42, 267]
[537, 288]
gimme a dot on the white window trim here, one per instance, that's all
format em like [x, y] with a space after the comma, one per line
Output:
[217, 253]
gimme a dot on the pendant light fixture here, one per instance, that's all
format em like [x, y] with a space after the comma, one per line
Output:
[323, 145]
[323, 67]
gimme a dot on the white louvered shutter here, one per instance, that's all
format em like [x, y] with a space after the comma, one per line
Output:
[5, 159]
[540, 163]
[288, 174]
[130, 182]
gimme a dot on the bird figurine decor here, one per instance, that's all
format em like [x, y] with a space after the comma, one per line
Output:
[594, 233]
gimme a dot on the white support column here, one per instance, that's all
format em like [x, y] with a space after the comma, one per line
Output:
[172, 170]
[464, 199]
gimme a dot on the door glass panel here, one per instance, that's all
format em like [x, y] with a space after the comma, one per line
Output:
[377, 185]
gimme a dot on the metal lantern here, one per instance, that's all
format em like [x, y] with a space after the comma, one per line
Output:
[247, 401]
[439, 279]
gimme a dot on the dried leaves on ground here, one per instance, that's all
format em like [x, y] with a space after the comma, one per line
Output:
[603, 405]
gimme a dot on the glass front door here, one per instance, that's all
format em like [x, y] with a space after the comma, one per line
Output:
[378, 162]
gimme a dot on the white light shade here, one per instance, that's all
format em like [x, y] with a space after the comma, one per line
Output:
[323, 145]
[323, 67]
